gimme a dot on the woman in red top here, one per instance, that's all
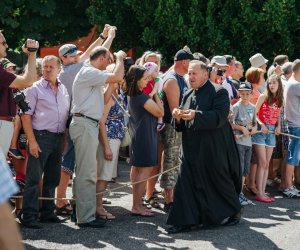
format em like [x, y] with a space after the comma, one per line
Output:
[268, 108]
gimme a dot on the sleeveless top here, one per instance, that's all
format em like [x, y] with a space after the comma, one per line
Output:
[115, 120]
[268, 114]
[182, 88]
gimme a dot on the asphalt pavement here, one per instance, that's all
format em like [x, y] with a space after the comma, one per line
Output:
[263, 226]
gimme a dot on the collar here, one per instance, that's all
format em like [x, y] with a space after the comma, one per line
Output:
[46, 83]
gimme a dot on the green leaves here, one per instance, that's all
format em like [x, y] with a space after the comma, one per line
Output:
[238, 27]
[49, 21]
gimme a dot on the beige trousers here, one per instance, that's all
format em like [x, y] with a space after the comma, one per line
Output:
[6, 133]
[84, 134]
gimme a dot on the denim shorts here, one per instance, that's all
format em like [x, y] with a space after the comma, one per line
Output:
[68, 159]
[294, 147]
[268, 140]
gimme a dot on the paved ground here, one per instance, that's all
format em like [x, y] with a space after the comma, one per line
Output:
[264, 226]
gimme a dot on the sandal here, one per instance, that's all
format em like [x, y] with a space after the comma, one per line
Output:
[146, 203]
[153, 202]
[65, 210]
[252, 190]
[106, 216]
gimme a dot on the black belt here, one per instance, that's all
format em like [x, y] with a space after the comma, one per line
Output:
[47, 132]
[85, 116]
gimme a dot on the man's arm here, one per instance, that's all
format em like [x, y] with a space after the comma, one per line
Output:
[99, 41]
[172, 92]
[118, 73]
[29, 77]
[110, 38]
[34, 148]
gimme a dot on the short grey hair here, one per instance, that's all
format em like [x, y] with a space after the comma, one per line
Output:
[52, 58]
[287, 68]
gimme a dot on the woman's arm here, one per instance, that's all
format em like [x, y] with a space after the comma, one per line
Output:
[259, 102]
[155, 107]
[103, 133]
[278, 127]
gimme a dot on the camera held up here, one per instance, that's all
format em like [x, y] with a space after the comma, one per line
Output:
[19, 99]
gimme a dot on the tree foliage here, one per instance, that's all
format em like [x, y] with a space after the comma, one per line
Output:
[48, 21]
[238, 27]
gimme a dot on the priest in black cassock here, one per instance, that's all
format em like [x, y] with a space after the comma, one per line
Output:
[209, 184]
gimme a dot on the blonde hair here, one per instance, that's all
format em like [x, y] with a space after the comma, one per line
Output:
[148, 54]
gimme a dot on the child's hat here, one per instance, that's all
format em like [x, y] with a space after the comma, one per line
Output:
[150, 67]
[245, 86]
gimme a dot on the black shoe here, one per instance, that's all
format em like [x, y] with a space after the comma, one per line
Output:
[51, 219]
[178, 229]
[167, 207]
[74, 215]
[97, 223]
[233, 220]
[32, 223]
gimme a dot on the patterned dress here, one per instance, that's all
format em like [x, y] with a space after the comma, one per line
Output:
[115, 120]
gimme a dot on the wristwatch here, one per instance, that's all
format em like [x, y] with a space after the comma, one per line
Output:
[101, 36]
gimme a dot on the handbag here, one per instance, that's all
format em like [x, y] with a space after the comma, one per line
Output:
[126, 140]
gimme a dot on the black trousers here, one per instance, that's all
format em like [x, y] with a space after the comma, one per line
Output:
[47, 165]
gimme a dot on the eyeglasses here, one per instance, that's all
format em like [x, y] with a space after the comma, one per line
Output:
[4, 43]
[70, 51]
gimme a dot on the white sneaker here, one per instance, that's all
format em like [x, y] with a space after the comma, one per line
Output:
[292, 192]
[243, 200]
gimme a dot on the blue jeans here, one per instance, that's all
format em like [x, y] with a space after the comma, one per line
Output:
[48, 163]
[294, 147]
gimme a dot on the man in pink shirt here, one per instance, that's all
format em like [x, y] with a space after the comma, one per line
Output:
[44, 125]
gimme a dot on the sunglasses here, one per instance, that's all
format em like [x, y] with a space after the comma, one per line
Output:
[70, 51]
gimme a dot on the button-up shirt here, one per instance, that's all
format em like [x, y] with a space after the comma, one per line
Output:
[49, 111]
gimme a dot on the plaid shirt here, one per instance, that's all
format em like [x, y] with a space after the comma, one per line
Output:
[8, 186]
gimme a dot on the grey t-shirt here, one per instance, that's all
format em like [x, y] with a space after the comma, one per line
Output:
[67, 75]
[292, 103]
[244, 115]
[88, 88]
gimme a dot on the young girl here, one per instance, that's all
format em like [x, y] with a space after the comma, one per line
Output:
[268, 108]
[153, 86]
[256, 77]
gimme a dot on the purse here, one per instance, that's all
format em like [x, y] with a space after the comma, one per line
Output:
[126, 140]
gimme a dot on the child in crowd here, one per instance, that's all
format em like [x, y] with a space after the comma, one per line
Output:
[268, 108]
[244, 125]
[154, 86]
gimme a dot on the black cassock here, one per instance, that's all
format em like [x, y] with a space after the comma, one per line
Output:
[210, 176]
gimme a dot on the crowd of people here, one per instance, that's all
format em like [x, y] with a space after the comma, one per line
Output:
[213, 133]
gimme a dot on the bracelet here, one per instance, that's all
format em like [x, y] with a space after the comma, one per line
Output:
[101, 36]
